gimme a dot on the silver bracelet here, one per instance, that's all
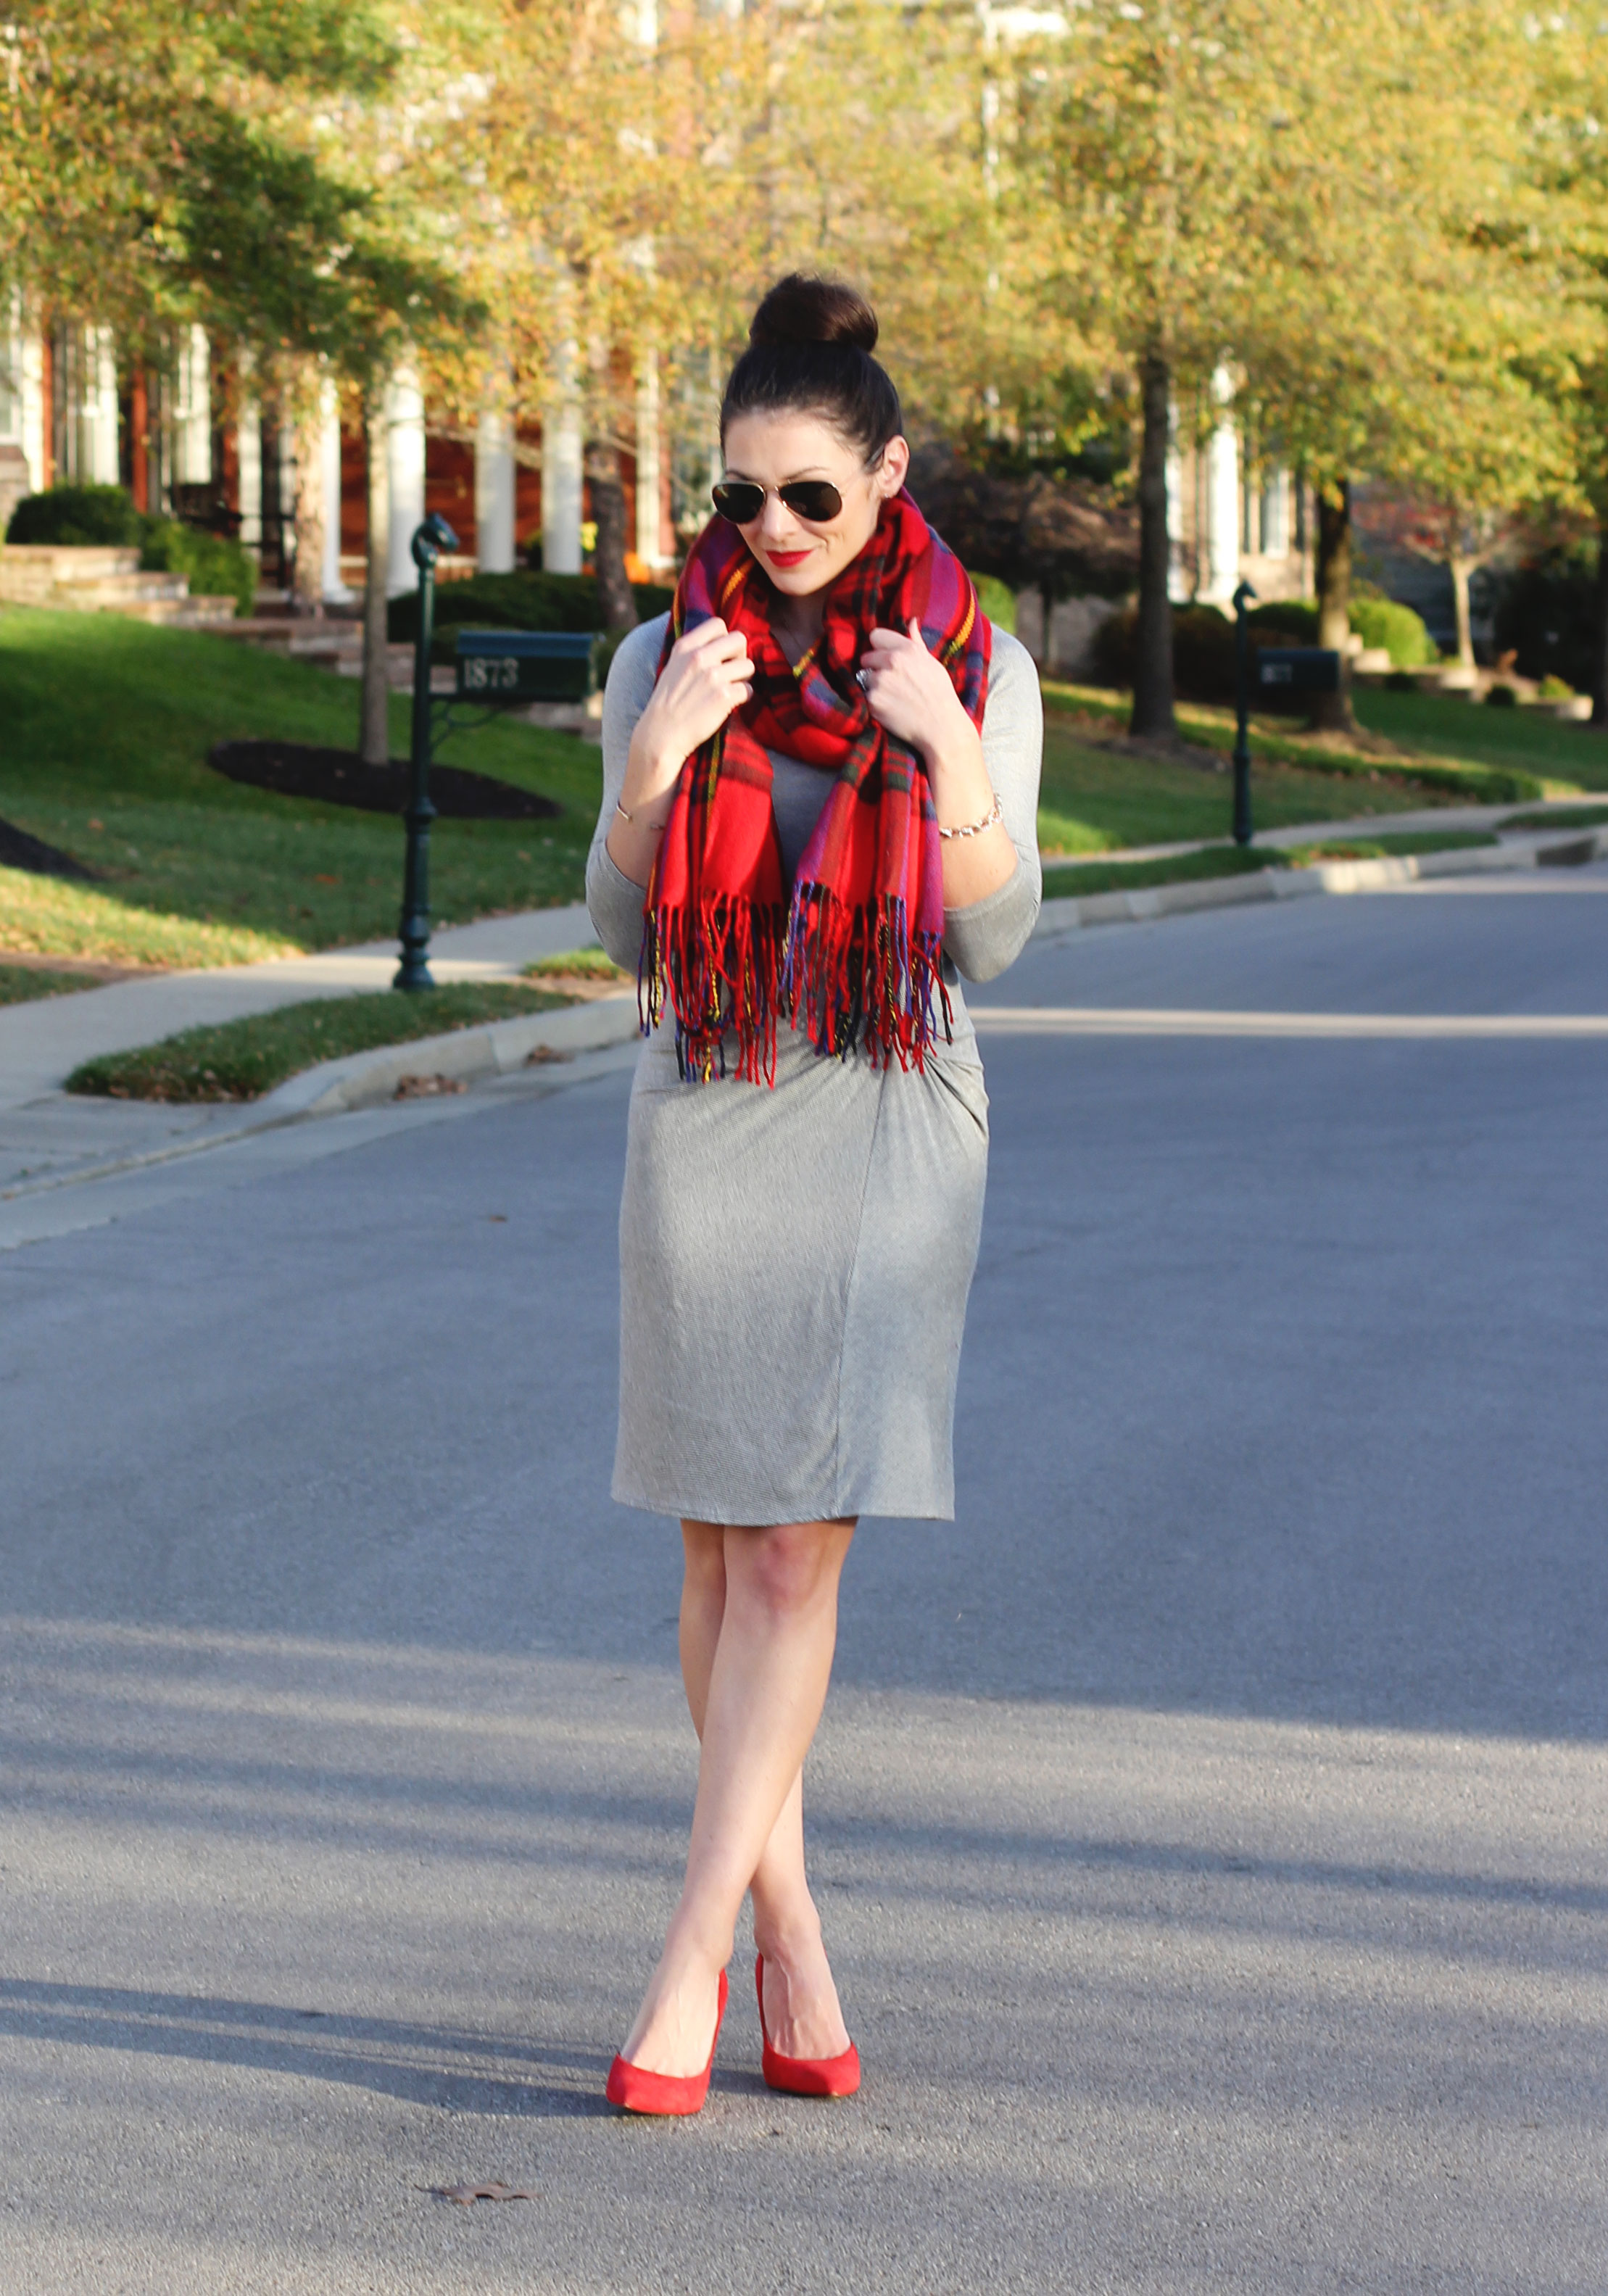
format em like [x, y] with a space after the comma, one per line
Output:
[631, 818]
[976, 828]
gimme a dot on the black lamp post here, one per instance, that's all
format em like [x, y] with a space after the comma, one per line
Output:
[414, 971]
[1243, 831]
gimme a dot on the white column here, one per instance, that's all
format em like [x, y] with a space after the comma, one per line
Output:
[494, 486]
[404, 458]
[562, 445]
[193, 409]
[32, 414]
[649, 473]
[1222, 553]
[248, 463]
[1179, 586]
[98, 413]
[335, 592]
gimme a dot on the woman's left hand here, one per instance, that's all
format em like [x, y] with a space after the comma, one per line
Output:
[910, 692]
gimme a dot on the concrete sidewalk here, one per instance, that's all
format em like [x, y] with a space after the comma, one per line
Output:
[43, 1042]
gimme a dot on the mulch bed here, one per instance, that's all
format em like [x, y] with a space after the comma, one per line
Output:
[339, 777]
[18, 851]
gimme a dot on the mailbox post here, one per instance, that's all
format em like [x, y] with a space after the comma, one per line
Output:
[414, 971]
[1243, 830]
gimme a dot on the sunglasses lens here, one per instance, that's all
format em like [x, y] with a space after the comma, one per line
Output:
[817, 500]
[739, 501]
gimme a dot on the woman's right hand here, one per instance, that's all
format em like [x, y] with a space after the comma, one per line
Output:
[708, 676]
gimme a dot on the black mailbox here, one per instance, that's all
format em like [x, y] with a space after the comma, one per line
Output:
[1297, 669]
[514, 666]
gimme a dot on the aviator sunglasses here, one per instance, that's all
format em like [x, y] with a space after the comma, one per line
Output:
[817, 501]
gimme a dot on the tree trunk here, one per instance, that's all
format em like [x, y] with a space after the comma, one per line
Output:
[1152, 711]
[375, 742]
[1331, 712]
[609, 552]
[1599, 668]
[307, 594]
[1460, 569]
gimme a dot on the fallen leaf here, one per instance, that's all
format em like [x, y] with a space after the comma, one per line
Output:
[426, 1087]
[320, 879]
[498, 1219]
[535, 1058]
[467, 2194]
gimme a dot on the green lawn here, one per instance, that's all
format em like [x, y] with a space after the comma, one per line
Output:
[241, 1060]
[105, 728]
[1447, 725]
[1092, 799]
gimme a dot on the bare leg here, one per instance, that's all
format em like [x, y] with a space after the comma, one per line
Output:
[766, 1685]
[801, 2005]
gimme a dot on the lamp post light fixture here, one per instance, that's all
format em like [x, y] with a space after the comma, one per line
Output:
[1243, 830]
[429, 541]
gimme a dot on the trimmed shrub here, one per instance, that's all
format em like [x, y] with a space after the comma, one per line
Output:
[1501, 697]
[1203, 655]
[519, 601]
[1376, 620]
[1555, 689]
[1386, 622]
[214, 565]
[83, 517]
[1294, 620]
[997, 601]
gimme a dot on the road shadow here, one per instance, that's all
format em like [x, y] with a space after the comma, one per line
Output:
[442, 2066]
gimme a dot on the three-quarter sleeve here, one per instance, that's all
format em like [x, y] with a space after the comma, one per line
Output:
[613, 900]
[985, 937]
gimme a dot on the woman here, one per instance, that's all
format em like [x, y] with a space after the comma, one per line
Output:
[819, 801]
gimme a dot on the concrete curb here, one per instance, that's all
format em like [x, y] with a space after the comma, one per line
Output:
[366, 1079]
[1146, 903]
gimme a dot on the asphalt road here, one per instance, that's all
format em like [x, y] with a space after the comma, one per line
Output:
[1211, 1825]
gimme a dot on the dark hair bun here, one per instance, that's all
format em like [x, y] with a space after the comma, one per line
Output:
[799, 309]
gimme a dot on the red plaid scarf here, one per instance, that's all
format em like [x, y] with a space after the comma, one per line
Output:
[857, 957]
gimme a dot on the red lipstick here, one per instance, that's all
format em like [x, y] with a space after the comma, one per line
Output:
[787, 557]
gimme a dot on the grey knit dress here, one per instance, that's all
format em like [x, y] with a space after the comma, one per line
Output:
[795, 1261]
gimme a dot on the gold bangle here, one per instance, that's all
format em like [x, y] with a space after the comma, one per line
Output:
[976, 828]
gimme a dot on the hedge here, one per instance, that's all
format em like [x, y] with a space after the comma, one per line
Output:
[521, 601]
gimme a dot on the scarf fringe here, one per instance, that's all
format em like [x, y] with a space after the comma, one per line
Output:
[854, 975]
[714, 963]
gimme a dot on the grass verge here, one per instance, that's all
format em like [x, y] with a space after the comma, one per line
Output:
[589, 964]
[20, 984]
[1085, 877]
[108, 724]
[1560, 816]
[241, 1060]
[1381, 848]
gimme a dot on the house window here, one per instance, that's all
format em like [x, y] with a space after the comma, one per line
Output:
[1275, 508]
